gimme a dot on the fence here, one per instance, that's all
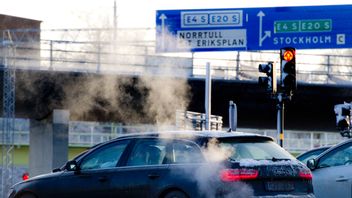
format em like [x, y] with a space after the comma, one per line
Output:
[132, 52]
[196, 121]
[86, 134]
[300, 141]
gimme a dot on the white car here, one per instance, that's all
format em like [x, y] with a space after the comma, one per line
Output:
[332, 171]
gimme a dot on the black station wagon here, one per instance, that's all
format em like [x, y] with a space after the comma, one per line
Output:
[176, 165]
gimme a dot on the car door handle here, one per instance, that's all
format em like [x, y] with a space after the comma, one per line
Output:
[341, 179]
[153, 176]
[103, 178]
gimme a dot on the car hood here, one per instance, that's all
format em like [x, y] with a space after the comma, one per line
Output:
[43, 176]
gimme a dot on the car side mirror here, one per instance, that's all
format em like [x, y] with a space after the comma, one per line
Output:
[72, 166]
[311, 164]
[56, 170]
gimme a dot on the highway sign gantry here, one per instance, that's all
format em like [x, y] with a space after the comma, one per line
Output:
[239, 29]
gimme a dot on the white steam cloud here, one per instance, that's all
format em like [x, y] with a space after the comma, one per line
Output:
[207, 176]
[134, 85]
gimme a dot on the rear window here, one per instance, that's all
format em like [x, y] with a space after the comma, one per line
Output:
[253, 149]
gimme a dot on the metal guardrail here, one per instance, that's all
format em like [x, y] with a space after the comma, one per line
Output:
[300, 141]
[132, 51]
[86, 134]
[196, 121]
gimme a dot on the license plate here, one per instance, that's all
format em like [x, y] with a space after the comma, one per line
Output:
[279, 186]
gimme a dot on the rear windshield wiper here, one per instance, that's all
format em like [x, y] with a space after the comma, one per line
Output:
[274, 159]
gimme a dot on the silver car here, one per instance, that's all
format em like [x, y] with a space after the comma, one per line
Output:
[311, 154]
[332, 171]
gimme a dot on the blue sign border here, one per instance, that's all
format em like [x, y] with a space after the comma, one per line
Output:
[260, 31]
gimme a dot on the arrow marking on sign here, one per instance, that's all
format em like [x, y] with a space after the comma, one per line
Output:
[163, 18]
[266, 33]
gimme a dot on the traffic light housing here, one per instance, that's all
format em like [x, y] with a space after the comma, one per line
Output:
[269, 81]
[343, 113]
[288, 69]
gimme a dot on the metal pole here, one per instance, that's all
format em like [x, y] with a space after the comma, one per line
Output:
[115, 28]
[9, 88]
[51, 55]
[233, 116]
[238, 65]
[329, 70]
[280, 119]
[207, 97]
[115, 20]
[98, 56]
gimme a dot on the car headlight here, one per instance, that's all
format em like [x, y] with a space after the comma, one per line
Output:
[10, 193]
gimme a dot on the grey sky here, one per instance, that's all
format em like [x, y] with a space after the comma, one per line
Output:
[131, 13]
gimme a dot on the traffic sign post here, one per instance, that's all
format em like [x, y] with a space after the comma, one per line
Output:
[240, 29]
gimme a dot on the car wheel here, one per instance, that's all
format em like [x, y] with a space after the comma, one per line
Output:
[176, 194]
[27, 196]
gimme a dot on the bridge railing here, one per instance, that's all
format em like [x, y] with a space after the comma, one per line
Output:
[86, 134]
[132, 51]
[300, 141]
[188, 120]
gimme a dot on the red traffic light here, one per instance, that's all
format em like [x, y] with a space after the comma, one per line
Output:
[288, 55]
[288, 69]
[25, 176]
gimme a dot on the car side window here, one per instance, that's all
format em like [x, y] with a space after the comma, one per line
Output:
[338, 157]
[185, 152]
[147, 152]
[105, 157]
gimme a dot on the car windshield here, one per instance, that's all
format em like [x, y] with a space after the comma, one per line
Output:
[254, 149]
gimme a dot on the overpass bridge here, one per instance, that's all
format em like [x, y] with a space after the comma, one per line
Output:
[69, 64]
[114, 75]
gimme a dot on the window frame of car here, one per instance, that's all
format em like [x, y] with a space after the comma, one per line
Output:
[308, 154]
[134, 143]
[171, 141]
[101, 147]
[328, 153]
[194, 143]
[312, 164]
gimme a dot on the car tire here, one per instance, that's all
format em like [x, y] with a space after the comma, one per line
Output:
[175, 194]
[27, 195]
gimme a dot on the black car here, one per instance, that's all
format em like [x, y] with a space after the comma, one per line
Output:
[176, 165]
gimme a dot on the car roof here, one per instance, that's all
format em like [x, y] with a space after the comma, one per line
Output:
[195, 134]
[188, 135]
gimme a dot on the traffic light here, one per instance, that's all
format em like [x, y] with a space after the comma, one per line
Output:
[343, 113]
[288, 69]
[268, 82]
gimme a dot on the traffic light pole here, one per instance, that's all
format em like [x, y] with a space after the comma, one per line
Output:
[280, 106]
[287, 86]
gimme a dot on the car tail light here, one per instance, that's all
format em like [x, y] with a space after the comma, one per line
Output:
[229, 175]
[25, 176]
[305, 174]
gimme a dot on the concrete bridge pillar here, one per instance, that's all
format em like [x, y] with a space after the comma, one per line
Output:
[48, 143]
